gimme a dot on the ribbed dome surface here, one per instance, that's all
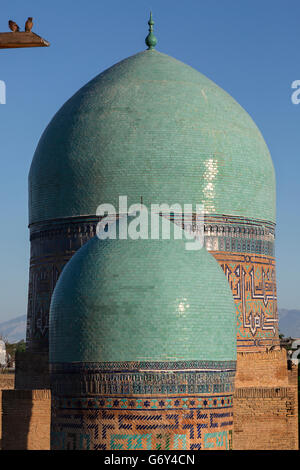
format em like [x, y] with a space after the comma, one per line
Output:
[126, 300]
[151, 126]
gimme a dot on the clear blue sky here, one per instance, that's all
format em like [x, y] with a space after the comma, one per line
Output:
[248, 47]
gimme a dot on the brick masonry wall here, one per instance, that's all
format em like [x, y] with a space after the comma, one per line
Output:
[265, 419]
[28, 412]
[262, 369]
[265, 402]
[7, 381]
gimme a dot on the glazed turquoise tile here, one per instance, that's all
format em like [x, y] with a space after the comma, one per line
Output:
[142, 300]
[151, 126]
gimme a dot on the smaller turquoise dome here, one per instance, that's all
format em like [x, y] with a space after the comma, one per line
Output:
[141, 300]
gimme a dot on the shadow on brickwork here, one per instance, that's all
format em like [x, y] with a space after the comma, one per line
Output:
[26, 409]
[16, 419]
[7, 381]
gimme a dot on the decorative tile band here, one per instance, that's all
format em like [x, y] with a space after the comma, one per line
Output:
[213, 222]
[145, 403]
[88, 379]
[142, 366]
[222, 233]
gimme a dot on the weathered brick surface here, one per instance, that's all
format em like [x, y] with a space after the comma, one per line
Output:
[265, 418]
[262, 369]
[26, 419]
[265, 402]
[7, 381]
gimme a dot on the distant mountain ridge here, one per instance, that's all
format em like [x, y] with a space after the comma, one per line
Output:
[14, 330]
[289, 324]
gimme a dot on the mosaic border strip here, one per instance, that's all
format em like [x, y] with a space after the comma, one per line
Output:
[68, 385]
[148, 403]
[91, 379]
[209, 218]
[141, 366]
[221, 225]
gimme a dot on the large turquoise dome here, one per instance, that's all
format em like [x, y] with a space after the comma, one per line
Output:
[151, 126]
[141, 300]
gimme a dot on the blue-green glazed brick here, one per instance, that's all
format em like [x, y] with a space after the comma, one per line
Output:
[151, 126]
[142, 300]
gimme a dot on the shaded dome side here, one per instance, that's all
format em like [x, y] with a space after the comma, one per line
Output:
[151, 126]
[143, 300]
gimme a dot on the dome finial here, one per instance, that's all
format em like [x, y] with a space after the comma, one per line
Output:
[151, 40]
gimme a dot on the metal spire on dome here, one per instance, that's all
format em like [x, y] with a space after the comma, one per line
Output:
[151, 40]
